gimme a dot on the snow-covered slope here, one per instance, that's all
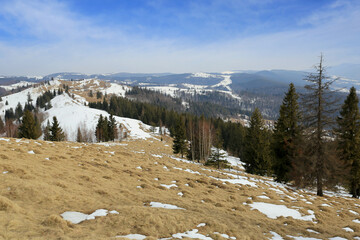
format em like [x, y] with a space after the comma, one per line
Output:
[20, 97]
[71, 111]
[16, 85]
[72, 114]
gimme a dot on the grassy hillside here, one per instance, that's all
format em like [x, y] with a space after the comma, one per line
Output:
[41, 180]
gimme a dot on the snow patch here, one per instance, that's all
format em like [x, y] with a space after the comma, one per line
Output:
[274, 211]
[166, 206]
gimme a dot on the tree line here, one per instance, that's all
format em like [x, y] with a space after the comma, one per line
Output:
[309, 146]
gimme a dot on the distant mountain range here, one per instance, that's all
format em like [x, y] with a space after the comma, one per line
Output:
[243, 90]
[240, 80]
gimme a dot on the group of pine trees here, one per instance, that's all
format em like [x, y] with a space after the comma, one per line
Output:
[309, 145]
[106, 129]
[25, 122]
[53, 132]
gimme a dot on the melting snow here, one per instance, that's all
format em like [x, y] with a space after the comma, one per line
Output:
[239, 181]
[275, 236]
[31, 152]
[348, 229]
[312, 231]
[225, 235]
[274, 211]
[304, 238]
[356, 221]
[263, 197]
[168, 186]
[191, 234]
[78, 217]
[353, 212]
[133, 236]
[166, 206]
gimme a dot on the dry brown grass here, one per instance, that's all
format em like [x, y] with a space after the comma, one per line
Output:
[35, 191]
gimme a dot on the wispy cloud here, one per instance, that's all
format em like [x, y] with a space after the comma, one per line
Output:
[40, 37]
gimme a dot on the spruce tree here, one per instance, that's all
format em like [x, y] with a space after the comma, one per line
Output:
[99, 129]
[46, 131]
[2, 126]
[38, 130]
[79, 137]
[180, 145]
[105, 129]
[112, 128]
[348, 136]
[27, 128]
[18, 112]
[257, 156]
[319, 107]
[56, 133]
[286, 137]
[217, 157]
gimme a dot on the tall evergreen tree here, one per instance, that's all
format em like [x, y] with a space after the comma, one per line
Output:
[257, 156]
[79, 137]
[319, 107]
[2, 126]
[180, 144]
[27, 128]
[56, 132]
[99, 132]
[217, 157]
[18, 111]
[348, 136]
[46, 131]
[286, 137]
[112, 128]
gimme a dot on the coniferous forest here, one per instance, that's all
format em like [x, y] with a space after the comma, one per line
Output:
[315, 141]
[310, 145]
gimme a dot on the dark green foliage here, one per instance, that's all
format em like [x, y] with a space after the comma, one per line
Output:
[46, 131]
[180, 144]
[56, 132]
[232, 134]
[28, 127]
[217, 159]
[6, 102]
[9, 114]
[257, 147]
[106, 129]
[2, 126]
[43, 101]
[29, 99]
[18, 111]
[28, 106]
[348, 137]
[99, 95]
[112, 128]
[287, 135]
[91, 93]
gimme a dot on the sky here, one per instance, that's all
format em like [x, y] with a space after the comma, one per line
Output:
[39, 37]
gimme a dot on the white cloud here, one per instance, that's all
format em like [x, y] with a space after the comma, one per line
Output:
[77, 43]
[50, 20]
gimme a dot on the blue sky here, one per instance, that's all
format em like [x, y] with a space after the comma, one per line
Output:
[39, 37]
